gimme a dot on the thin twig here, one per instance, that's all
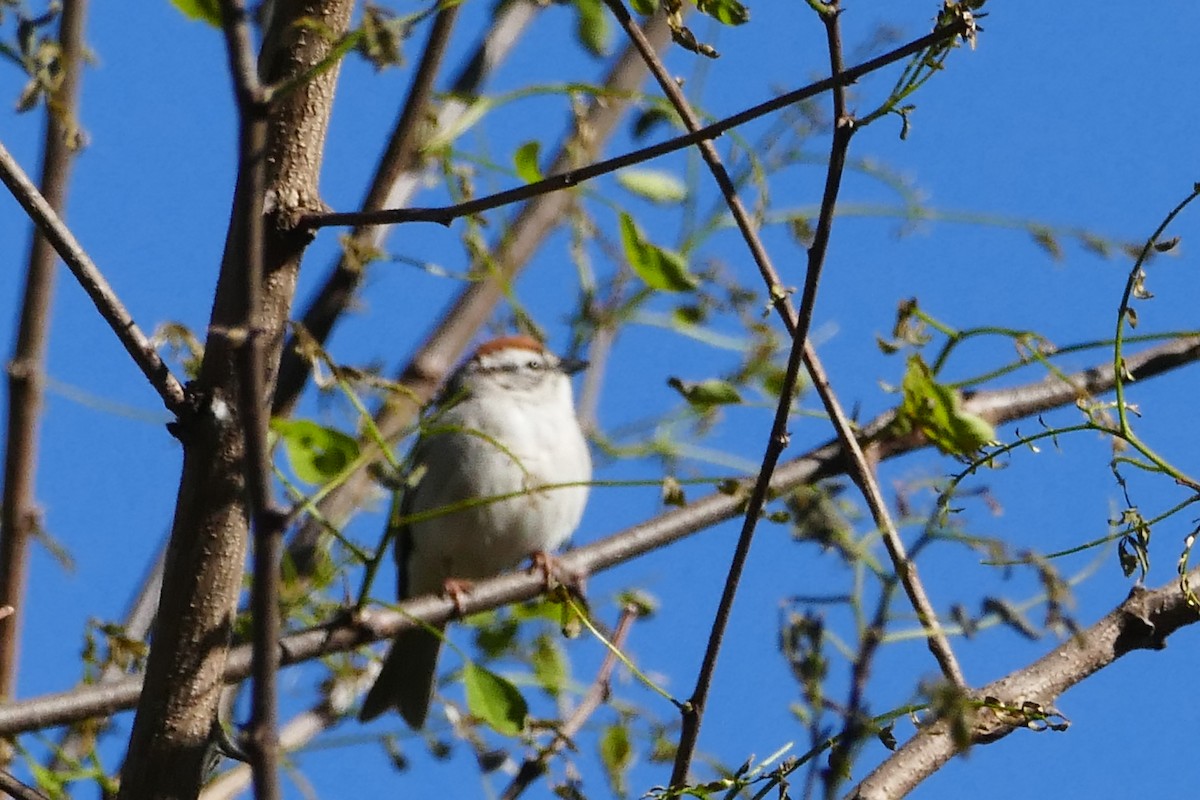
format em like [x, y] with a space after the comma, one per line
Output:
[20, 516]
[535, 765]
[18, 790]
[444, 215]
[998, 407]
[90, 278]
[798, 325]
[860, 469]
[266, 521]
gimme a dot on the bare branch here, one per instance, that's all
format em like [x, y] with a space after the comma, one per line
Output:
[20, 516]
[262, 743]
[444, 215]
[394, 180]
[93, 282]
[1143, 622]
[18, 790]
[999, 406]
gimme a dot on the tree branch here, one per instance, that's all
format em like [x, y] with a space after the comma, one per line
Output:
[1000, 406]
[20, 516]
[394, 181]
[444, 215]
[1143, 622]
[93, 282]
[535, 765]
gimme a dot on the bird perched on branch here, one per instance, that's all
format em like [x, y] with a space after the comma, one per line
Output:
[504, 454]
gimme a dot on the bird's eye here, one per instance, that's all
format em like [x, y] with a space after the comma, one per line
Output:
[535, 365]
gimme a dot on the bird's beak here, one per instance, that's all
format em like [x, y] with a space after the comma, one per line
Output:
[572, 365]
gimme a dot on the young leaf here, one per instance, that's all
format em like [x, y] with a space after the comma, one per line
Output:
[660, 269]
[469, 118]
[703, 395]
[526, 162]
[549, 665]
[616, 754]
[937, 411]
[591, 26]
[204, 10]
[728, 12]
[495, 700]
[654, 185]
[317, 454]
[644, 7]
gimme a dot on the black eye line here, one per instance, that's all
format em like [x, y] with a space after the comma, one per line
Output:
[534, 364]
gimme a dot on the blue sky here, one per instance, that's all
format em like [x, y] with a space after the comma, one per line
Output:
[1071, 118]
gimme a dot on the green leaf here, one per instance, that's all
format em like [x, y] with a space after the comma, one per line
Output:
[617, 755]
[660, 269]
[317, 454]
[204, 10]
[704, 395]
[729, 12]
[495, 700]
[937, 411]
[649, 119]
[526, 162]
[644, 7]
[654, 185]
[591, 26]
[549, 665]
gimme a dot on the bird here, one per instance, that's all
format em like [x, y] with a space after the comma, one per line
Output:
[505, 428]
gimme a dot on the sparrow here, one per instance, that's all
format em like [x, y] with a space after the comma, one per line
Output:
[506, 429]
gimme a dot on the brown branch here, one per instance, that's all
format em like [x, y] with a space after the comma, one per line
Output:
[18, 790]
[90, 278]
[20, 516]
[860, 470]
[1143, 622]
[77, 741]
[444, 215]
[693, 710]
[1000, 406]
[797, 325]
[262, 742]
[204, 565]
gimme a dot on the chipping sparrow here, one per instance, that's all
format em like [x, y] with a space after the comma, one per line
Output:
[507, 426]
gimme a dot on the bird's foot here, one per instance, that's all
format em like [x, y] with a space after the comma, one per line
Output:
[556, 573]
[456, 589]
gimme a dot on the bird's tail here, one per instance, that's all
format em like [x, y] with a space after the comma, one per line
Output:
[406, 680]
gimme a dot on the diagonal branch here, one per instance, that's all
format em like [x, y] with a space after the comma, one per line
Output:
[1143, 621]
[998, 407]
[446, 214]
[93, 282]
[797, 325]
